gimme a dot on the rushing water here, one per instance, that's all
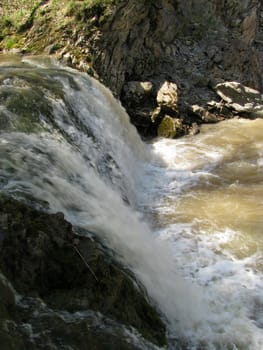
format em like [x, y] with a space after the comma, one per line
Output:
[185, 215]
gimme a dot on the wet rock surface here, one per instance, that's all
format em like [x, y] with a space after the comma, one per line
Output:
[67, 282]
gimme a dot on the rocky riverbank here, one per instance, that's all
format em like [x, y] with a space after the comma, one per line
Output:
[139, 48]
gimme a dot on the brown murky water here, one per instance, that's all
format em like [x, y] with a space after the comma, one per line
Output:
[229, 192]
[211, 213]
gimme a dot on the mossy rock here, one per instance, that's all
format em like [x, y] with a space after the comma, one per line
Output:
[170, 127]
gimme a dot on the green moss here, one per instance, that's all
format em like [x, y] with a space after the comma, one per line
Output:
[12, 41]
[82, 10]
[167, 127]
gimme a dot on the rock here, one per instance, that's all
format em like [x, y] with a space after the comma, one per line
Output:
[7, 297]
[211, 51]
[218, 58]
[194, 129]
[241, 98]
[139, 100]
[42, 257]
[7, 311]
[137, 91]
[167, 96]
[170, 127]
[50, 49]
[249, 26]
[205, 116]
[67, 58]
[156, 114]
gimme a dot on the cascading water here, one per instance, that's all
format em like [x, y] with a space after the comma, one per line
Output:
[67, 145]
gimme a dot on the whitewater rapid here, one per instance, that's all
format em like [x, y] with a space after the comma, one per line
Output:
[207, 198]
[146, 202]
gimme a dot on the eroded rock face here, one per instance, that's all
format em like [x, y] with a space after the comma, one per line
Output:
[196, 44]
[43, 260]
[145, 39]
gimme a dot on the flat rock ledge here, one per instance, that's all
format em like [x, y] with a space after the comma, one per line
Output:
[241, 98]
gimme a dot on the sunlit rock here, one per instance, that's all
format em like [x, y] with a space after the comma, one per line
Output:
[241, 98]
[167, 96]
[204, 115]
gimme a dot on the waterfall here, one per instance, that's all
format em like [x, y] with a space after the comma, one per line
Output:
[67, 145]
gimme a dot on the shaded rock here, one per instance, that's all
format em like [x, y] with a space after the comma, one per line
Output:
[40, 256]
[156, 114]
[167, 97]
[141, 118]
[137, 90]
[7, 297]
[7, 310]
[219, 108]
[241, 98]
[139, 99]
[212, 51]
[33, 326]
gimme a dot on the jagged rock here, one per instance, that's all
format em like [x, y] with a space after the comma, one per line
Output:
[203, 115]
[167, 96]
[241, 98]
[40, 256]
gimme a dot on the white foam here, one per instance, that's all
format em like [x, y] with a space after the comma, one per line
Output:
[231, 286]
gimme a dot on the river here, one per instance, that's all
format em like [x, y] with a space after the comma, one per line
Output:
[185, 215]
